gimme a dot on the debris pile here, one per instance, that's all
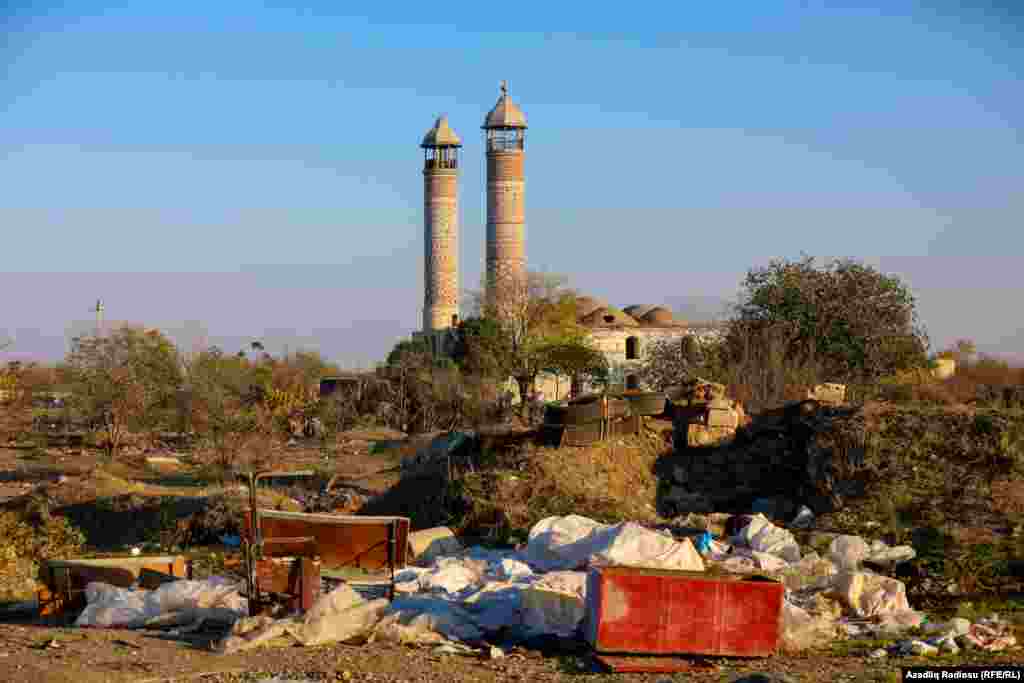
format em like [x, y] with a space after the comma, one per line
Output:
[703, 416]
[804, 453]
[471, 598]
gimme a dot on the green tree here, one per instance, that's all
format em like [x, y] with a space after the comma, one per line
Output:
[534, 318]
[124, 381]
[849, 319]
[221, 407]
[577, 358]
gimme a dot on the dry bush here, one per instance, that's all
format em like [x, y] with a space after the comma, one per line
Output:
[608, 482]
[37, 539]
[969, 379]
[1008, 497]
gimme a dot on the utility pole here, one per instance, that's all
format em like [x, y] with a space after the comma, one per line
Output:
[98, 310]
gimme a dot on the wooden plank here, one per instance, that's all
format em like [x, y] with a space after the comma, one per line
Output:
[289, 547]
[342, 540]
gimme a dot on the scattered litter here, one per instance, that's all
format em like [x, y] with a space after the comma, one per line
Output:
[429, 544]
[761, 535]
[804, 518]
[703, 542]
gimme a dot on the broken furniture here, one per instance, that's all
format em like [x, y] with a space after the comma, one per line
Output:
[277, 567]
[654, 612]
[332, 541]
[62, 592]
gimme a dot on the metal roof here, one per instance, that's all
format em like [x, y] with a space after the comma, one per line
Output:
[441, 135]
[506, 113]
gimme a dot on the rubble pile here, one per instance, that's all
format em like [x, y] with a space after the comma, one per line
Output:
[805, 453]
[703, 416]
[480, 597]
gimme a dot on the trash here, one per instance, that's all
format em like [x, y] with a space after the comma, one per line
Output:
[337, 616]
[429, 544]
[991, 634]
[419, 619]
[452, 575]
[513, 570]
[897, 622]
[110, 606]
[495, 653]
[703, 542]
[804, 518]
[573, 542]
[880, 653]
[761, 535]
[231, 540]
[803, 629]
[888, 557]
[847, 552]
[871, 595]
[922, 649]
[812, 570]
[555, 604]
[948, 645]
[954, 627]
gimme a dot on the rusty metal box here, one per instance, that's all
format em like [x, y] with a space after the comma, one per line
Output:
[661, 612]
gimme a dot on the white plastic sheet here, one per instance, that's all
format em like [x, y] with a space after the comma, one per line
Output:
[109, 606]
[337, 616]
[574, 542]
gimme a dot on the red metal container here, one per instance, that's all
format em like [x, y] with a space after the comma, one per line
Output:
[661, 612]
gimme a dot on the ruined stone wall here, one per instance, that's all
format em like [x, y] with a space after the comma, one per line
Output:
[506, 245]
[441, 248]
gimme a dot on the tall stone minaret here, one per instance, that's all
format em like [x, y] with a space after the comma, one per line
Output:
[440, 227]
[505, 131]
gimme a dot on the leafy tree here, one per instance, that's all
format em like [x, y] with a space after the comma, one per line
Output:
[576, 357]
[853, 321]
[528, 329]
[124, 381]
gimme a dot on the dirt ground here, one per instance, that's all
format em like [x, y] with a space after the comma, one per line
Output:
[67, 655]
[124, 500]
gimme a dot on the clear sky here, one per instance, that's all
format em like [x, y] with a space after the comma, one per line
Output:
[238, 170]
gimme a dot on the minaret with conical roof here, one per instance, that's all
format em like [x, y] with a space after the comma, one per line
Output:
[505, 133]
[440, 226]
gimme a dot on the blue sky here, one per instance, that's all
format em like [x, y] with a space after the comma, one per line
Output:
[253, 167]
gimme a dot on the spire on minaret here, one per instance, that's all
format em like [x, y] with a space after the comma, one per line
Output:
[504, 88]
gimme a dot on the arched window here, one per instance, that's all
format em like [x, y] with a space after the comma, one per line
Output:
[632, 348]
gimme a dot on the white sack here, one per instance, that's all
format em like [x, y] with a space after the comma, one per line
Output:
[109, 606]
[871, 595]
[847, 552]
[425, 614]
[574, 542]
[763, 536]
